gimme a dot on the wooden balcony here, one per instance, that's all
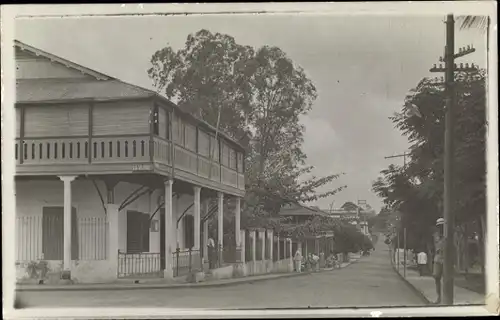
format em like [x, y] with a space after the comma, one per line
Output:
[130, 154]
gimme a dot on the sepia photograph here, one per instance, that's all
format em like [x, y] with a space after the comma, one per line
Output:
[239, 157]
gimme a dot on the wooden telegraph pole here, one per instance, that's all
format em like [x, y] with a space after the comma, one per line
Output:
[449, 201]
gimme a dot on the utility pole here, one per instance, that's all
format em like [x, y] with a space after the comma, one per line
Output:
[449, 215]
[448, 268]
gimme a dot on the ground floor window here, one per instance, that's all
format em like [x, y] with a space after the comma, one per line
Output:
[189, 231]
[137, 232]
[53, 233]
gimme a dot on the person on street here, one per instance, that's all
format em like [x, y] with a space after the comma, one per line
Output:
[421, 262]
[438, 257]
[315, 259]
[298, 261]
[211, 252]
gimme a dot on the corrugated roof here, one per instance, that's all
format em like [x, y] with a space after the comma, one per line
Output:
[43, 91]
[103, 88]
[300, 210]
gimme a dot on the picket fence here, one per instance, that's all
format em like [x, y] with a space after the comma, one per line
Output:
[92, 238]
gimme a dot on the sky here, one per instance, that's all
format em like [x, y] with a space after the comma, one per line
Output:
[362, 67]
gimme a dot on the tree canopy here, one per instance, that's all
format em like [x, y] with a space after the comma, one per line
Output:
[417, 189]
[255, 95]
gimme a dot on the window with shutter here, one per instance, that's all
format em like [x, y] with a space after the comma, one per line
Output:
[137, 232]
[53, 233]
[156, 120]
[240, 162]
[175, 128]
[232, 159]
[190, 139]
[188, 231]
[225, 155]
[214, 149]
[203, 143]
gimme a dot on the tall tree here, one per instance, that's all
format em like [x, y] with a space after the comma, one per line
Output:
[417, 190]
[256, 95]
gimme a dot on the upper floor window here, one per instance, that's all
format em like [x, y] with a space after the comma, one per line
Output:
[240, 164]
[203, 143]
[190, 137]
[232, 159]
[225, 155]
[156, 120]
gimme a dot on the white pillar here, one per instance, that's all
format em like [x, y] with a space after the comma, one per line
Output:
[270, 237]
[243, 246]
[169, 230]
[279, 248]
[114, 232]
[262, 234]
[67, 221]
[290, 257]
[253, 236]
[284, 248]
[197, 218]
[220, 219]
[237, 227]
[205, 231]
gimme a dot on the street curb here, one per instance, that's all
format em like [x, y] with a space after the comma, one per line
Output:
[172, 286]
[419, 293]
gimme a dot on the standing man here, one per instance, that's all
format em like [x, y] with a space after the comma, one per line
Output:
[298, 261]
[211, 252]
[438, 257]
[421, 261]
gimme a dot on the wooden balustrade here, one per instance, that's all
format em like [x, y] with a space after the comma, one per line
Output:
[109, 150]
[162, 151]
[186, 160]
[229, 177]
[52, 151]
[124, 149]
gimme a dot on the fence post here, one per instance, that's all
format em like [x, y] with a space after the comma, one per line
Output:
[405, 258]
[190, 259]
[177, 251]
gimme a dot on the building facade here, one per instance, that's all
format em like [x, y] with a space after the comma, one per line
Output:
[113, 180]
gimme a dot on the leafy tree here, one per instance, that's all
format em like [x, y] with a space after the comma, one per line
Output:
[256, 95]
[417, 190]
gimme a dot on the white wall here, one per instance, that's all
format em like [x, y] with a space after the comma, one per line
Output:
[32, 196]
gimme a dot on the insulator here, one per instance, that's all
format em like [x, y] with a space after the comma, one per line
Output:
[467, 65]
[435, 66]
[460, 49]
[456, 66]
[468, 47]
[440, 66]
[461, 65]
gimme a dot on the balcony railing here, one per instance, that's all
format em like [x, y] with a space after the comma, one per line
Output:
[134, 153]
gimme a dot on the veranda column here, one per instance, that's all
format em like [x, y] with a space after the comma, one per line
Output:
[237, 216]
[279, 248]
[220, 219]
[67, 223]
[197, 218]
[270, 237]
[243, 246]
[262, 236]
[169, 230]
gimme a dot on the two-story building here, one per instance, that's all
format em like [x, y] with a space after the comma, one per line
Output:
[112, 178]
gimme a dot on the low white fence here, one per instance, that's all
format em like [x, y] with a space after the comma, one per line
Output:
[92, 238]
